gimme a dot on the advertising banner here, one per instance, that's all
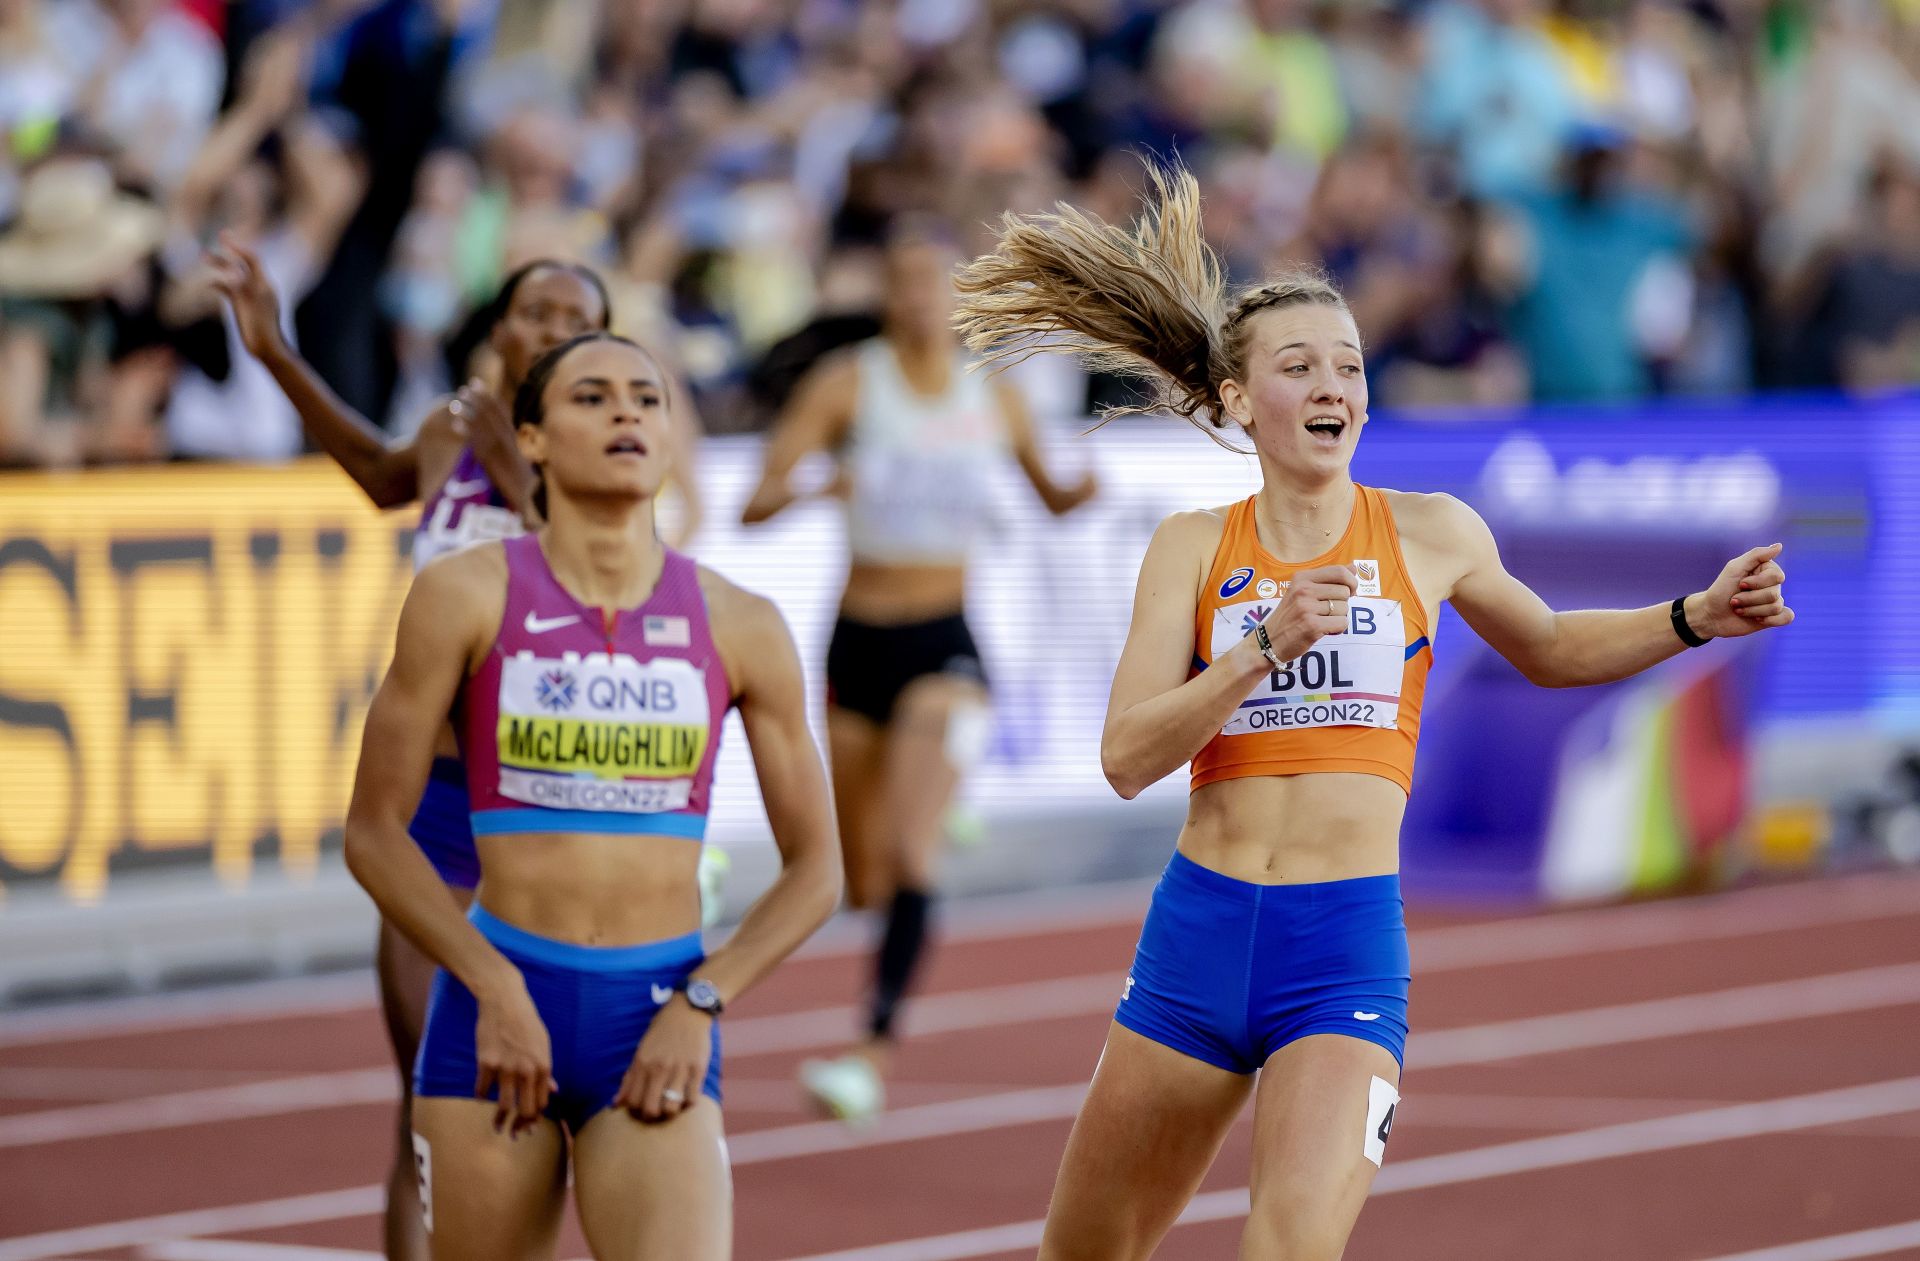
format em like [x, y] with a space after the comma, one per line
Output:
[186, 652]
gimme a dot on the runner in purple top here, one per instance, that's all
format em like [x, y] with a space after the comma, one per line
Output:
[464, 464]
[592, 669]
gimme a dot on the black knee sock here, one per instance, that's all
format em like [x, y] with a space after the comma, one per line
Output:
[901, 948]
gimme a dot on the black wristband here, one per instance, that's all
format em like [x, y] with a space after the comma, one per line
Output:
[1680, 627]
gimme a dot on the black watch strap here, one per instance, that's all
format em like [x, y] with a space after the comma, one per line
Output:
[1680, 627]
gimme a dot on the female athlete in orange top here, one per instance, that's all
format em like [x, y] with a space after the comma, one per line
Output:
[1281, 645]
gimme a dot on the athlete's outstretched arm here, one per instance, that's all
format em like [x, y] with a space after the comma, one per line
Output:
[388, 474]
[445, 624]
[1157, 717]
[765, 668]
[816, 420]
[1594, 645]
[1026, 449]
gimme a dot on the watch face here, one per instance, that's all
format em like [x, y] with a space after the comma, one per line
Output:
[702, 994]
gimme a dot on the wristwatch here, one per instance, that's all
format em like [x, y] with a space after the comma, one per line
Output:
[702, 995]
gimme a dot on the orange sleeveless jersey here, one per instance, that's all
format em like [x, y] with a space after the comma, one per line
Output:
[1352, 701]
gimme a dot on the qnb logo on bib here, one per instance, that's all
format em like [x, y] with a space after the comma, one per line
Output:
[1347, 680]
[601, 732]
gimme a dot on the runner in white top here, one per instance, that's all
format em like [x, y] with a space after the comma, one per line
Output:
[918, 437]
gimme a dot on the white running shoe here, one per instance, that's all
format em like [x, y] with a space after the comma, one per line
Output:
[715, 863]
[847, 1088]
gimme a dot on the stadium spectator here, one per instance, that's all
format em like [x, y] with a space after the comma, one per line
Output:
[73, 258]
[726, 162]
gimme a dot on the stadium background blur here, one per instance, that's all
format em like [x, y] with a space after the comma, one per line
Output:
[1640, 279]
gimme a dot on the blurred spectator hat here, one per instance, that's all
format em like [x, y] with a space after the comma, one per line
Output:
[75, 232]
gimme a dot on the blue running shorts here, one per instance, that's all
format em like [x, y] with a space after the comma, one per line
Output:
[1229, 972]
[443, 825]
[596, 1002]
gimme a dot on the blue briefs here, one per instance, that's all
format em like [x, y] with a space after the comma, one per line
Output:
[596, 1002]
[443, 828]
[1229, 972]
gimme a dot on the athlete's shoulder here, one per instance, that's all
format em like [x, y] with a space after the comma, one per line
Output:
[1200, 528]
[481, 567]
[1430, 517]
[733, 608]
[460, 597]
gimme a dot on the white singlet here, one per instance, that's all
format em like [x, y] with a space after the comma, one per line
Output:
[921, 465]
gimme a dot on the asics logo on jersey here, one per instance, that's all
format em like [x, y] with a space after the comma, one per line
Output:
[1366, 1015]
[465, 490]
[537, 625]
[662, 995]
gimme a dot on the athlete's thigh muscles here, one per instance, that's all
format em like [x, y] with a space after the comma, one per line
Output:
[856, 754]
[1149, 1129]
[1325, 1109]
[655, 1189]
[486, 1196]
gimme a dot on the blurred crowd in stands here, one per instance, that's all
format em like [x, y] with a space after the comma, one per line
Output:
[1526, 200]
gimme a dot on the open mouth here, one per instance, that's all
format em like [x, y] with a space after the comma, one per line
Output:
[627, 446]
[1327, 430]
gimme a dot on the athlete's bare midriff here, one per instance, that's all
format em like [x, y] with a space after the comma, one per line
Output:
[1306, 828]
[1296, 829]
[889, 595]
[592, 890]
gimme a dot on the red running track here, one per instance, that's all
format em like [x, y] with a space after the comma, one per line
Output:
[1727, 1077]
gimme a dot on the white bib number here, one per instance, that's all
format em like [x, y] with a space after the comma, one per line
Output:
[1347, 680]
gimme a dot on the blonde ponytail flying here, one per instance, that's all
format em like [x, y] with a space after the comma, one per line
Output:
[1148, 303]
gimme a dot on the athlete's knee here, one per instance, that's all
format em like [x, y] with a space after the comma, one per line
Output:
[1286, 1227]
[869, 888]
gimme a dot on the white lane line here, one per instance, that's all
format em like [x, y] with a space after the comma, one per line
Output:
[247, 1250]
[1714, 1011]
[907, 1125]
[200, 1107]
[1741, 1007]
[297, 1210]
[1661, 1133]
[191, 1009]
[1877, 1242]
[1555, 935]
[1689, 1129]
[95, 1085]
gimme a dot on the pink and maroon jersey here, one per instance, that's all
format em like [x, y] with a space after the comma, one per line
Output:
[466, 509]
[591, 720]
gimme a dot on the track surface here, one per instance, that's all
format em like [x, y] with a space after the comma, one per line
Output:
[1726, 1077]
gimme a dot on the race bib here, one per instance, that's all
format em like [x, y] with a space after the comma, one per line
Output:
[601, 733]
[1347, 680]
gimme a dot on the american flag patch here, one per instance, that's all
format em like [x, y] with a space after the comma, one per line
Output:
[667, 632]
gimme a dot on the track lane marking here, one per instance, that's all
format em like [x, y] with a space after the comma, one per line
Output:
[1877, 1242]
[1687, 1129]
[1739, 1007]
[1562, 934]
[904, 1125]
